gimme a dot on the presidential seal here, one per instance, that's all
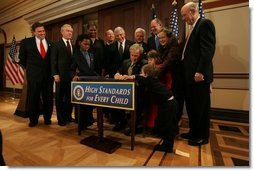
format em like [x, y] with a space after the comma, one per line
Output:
[78, 92]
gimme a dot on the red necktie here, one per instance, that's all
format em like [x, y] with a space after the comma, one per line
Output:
[43, 52]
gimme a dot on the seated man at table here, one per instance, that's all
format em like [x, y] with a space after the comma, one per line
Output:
[133, 66]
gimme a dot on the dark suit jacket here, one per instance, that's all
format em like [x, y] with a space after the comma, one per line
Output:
[170, 55]
[151, 43]
[60, 61]
[199, 52]
[80, 63]
[98, 49]
[135, 70]
[113, 57]
[37, 68]
[145, 47]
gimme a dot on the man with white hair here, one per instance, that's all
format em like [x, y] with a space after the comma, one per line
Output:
[61, 59]
[197, 58]
[117, 52]
[139, 35]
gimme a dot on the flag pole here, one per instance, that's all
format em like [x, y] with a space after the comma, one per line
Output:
[174, 2]
[13, 98]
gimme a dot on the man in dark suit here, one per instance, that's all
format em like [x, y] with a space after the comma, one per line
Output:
[140, 38]
[34, 55]
[198, 70]
[132, 66]
[61, 59]
[109, 37]
[153, 40]
[117, 52]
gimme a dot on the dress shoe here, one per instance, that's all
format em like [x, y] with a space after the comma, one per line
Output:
[82, 127]
[62, 123]
[138, 130]
[88, 123]
[119, 126]
[164, 147]
[186, 136]
[32, 124]
[71, 120]
[198, 142]
[177, 131]
[47, 122]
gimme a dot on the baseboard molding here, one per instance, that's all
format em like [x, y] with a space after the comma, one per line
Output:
[11, 90]
[230, 115]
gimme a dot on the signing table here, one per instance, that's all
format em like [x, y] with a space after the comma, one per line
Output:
[109, 93]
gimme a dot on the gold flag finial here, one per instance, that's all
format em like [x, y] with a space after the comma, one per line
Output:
[174, 2]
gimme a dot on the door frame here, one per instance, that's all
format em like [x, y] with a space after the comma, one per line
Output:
[2, 57]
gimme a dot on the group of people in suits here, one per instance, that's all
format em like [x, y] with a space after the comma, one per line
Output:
[189, 70]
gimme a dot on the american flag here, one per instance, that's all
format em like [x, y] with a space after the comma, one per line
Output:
[200, 8]
[174, 20]
[12, 69]
[153, 12]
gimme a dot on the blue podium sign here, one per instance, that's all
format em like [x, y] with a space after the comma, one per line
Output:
[120, 95]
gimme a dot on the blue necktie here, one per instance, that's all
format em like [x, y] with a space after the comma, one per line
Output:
[157, 42]
[87, 58]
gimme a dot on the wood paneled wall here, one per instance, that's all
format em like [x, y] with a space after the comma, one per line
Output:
[53, 30]
[137, 14]
[128, 14]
